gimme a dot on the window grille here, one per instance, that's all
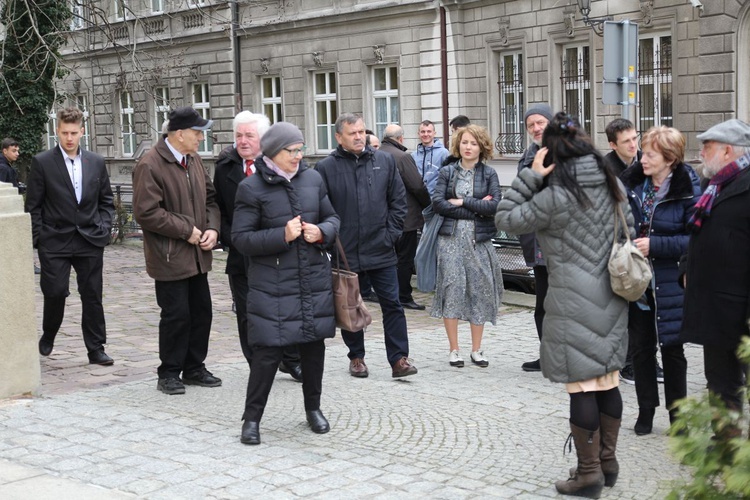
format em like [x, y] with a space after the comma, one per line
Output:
[576, 85]
[655, 82]
[512, 137]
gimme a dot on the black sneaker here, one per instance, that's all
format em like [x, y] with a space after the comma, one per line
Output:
[626, 375]
[659, 373]
[171, 386]
[203, 378]
[532, 366]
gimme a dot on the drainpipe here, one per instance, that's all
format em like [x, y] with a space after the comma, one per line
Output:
[444, 72]
[236, 53]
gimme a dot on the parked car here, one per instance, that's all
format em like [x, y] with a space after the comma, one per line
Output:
[517, 276]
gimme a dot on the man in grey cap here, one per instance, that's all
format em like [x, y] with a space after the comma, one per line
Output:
[717, 271]
[536, 119]
[175, 203]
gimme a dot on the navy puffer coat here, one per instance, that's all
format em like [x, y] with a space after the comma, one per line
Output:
[668, 240]
[289, 298]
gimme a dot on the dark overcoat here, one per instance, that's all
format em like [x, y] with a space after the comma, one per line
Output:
[289, 298]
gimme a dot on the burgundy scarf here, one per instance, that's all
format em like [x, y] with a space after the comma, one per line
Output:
[718, 181]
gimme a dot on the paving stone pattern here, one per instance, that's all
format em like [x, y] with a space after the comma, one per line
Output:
[444, 433]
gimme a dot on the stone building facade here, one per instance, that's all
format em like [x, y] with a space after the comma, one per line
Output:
[306, 61]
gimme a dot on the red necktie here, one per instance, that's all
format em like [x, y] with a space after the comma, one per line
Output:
[248, 170]
[183, 162]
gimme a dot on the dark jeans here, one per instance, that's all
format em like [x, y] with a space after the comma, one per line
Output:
[725, 375]
[266, 361]
[185, 324]
[385, 284]
[644, 339]
[88, 261]
[406, 249]
[541, 284]
[239, 287]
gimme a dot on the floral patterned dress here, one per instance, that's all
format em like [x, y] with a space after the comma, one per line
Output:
[469, 276]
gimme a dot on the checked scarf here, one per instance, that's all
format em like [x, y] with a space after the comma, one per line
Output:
[721, 179]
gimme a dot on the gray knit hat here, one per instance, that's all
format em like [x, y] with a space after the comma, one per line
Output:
[734, 132]
[538, 109]
[279, 136]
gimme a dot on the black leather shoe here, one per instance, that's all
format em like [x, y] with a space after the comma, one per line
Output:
[202, 377]
[45, 346]
[317, 421]
[99, 357]
[250, 433]
[413, 305]
[293, 369]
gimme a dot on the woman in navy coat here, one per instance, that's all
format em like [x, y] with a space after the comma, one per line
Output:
[284, 222]
[662, 192]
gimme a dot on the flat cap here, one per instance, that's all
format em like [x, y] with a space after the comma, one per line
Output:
[185, 118]
[734, 132]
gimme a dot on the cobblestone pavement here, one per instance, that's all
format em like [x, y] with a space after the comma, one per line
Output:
[106, 432]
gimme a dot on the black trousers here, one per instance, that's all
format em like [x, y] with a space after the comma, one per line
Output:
[266, 361]
[725, 375]
[541, 284]
[88, 261]
[185, 325]
[644, 340]
[238, 286]
[406, 249]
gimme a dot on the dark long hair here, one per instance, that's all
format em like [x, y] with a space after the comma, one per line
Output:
[566, 140]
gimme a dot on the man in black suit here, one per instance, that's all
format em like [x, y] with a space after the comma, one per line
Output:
[234, 165]
[71, 205]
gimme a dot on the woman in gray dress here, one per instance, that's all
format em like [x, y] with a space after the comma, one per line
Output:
[469, 284]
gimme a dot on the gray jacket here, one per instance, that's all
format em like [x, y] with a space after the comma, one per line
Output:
[585, 328]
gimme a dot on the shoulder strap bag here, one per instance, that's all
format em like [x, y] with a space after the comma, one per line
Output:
[629, 271]
[351, 313]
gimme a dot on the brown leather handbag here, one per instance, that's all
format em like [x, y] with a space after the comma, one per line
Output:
[351, 313]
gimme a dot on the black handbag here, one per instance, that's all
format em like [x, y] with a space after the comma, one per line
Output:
[350, 311]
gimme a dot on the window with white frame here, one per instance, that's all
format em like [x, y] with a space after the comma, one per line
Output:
[52, 129]
[326, 110]
[576, 84]
[77, 14]
[271, 98]
[82, 103]
[202, 104]
[157, 6]
[654, 82]
[512, 137]
[127, 123]
[161, 108]
[385, 97]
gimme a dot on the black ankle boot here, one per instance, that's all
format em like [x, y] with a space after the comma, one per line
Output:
[250, 433]
[645, 422]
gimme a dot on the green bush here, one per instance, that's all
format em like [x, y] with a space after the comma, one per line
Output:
[721, 464]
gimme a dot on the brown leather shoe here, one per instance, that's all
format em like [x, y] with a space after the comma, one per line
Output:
[404, 368]
[358, 368]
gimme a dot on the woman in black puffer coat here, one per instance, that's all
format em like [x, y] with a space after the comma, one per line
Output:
[284, 222]
[662, 191]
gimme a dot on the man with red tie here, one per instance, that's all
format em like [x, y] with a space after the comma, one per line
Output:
[174, 201]
[71, 205]
[235, 163]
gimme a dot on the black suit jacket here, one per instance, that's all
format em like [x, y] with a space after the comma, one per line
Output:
[228, 174]
[56, 215]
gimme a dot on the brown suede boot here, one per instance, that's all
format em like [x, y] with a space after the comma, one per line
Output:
[588, 480]
[610, 429]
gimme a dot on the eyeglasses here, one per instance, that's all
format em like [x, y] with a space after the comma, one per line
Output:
[295, 152]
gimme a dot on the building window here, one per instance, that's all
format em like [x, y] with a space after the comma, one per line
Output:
[326, 110]
[271, 98]
[202, 105]
[82, 103]
[77, 13]
[157, 6]
[119, 9]
[52, 129]
[576, 84]
[512, 137]
[161, 108]
[127, 125]
[385, 95]
[654, 82]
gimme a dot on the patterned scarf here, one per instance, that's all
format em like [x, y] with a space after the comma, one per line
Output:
[647, 205]
[718, 181]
